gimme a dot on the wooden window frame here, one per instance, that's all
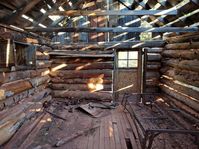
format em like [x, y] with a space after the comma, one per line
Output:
[128, 59]
[15, 66]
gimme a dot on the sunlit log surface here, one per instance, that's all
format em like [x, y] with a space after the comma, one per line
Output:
[82, 95]
[85, 66]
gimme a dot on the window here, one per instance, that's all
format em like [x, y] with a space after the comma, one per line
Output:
[127, 59]
[16, 56]
[6, 55]
[25, 56]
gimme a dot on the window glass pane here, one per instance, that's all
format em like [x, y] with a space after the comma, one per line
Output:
[133, 54]
[122, 55]
[132, 63]
[122, 63]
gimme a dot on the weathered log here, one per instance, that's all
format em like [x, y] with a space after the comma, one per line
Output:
[84, 66]
[152, 90]
[187, 100]
[23, 105]
[182, 117]
[77, 81]
[152, 82]
[90, 52]
[12, 88]
[64, 55]
[81, 95]
[44, 49]
[153, 66]
[8, 129]
[154, 50]
[38, 72]
[152, 74]
[23, 133]
[185, 76]
[79, 87]
[183, 37]
[82, 53]
[39, 80]
[43, 64]
[17, 75]
[153, 57]
[192, 65]
[82, 74]
[18, 97]
[9, 123]
[184, 88]
[187, 45]
[42, 56]
[80, 60]
[30, 138]
[183, 54]
[12, 76]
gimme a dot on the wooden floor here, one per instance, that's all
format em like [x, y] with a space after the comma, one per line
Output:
[113, 131]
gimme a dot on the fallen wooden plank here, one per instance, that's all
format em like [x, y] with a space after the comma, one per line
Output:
[74, 136]
[8, 129]
[90, 110]
[23, 132]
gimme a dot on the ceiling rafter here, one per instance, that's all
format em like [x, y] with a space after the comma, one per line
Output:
[27, 6]
[73, 7]
[45, 15]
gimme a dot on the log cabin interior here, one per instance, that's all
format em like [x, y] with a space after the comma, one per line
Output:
[99, 74]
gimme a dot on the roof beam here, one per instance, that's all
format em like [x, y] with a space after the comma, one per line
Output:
[177, 7]
[24, 9]
[113, 30]
[45, 15]
[114, 13]
[75, 6]
[109, 45]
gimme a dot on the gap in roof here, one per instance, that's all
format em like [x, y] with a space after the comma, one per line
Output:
[27, 18]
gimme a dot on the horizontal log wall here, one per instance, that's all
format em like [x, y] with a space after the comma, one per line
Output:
[180, 77]
[82, 75]
[152, 68]
[22, 94]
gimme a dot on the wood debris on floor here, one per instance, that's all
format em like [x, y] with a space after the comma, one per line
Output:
[77, 131]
